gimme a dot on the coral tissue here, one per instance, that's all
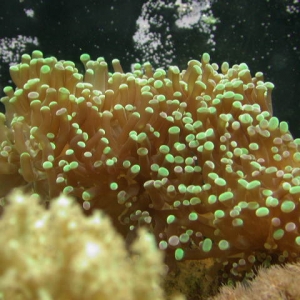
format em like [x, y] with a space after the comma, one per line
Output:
[194, 155]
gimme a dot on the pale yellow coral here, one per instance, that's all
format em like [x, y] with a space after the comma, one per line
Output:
[275, 283]
[61, 254]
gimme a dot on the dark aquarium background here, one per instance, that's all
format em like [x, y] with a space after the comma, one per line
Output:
[264, 34]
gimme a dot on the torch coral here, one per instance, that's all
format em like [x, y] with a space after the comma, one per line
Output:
[194, 155]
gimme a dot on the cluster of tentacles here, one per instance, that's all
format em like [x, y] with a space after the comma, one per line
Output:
[195, 155]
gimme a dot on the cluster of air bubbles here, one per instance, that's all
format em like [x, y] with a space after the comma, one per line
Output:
[11, 49]
[156, 30]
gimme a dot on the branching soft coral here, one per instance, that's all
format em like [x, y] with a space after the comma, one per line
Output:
[61, 254]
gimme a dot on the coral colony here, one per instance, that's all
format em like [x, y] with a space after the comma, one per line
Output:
[196, 156]
[59, 253]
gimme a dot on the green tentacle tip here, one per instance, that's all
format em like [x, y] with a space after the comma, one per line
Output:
[207, 245]
[37, 54]
[47, 165]
[84, 57]
[206, 58]
[262, 212]
[287, 206]
[179, 254]
[193, 216]
[295, 190]
[224, 245]
[113, 186]
[86, 196]
[225, 196]
[278, 234]
[171, 219]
